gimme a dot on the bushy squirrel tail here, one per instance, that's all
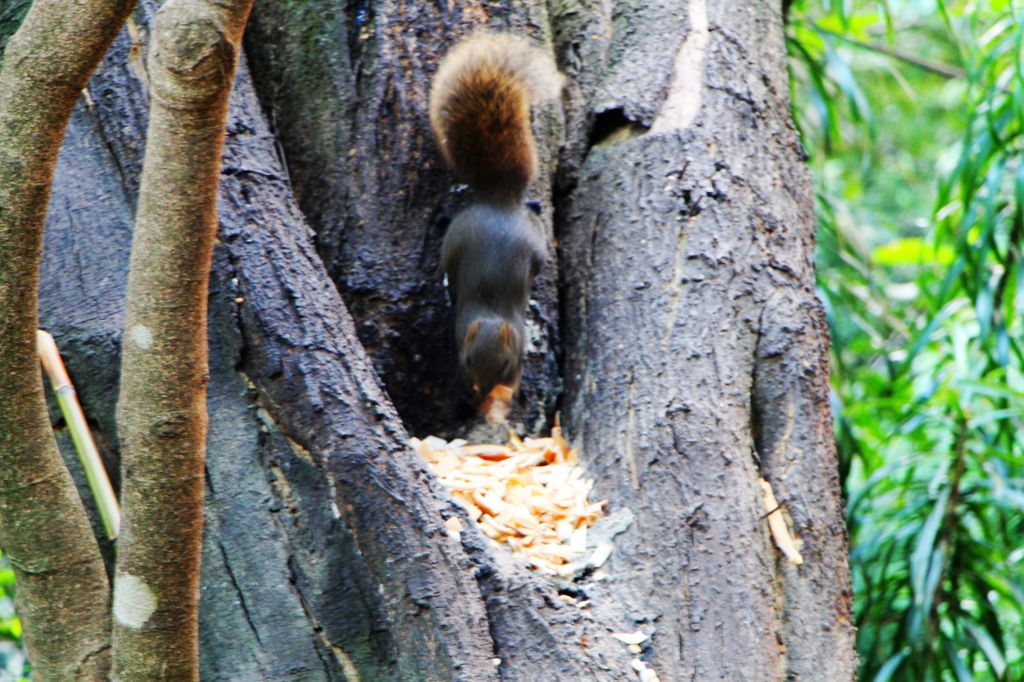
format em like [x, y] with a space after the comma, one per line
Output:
[480, 110]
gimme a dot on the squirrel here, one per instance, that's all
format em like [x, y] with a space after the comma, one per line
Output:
[480, 114]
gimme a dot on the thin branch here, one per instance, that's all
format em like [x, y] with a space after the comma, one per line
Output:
[63, 592]
[938, 68]
[161, 411]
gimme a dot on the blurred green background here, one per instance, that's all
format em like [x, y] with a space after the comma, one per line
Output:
[911, 112]
[12, 655]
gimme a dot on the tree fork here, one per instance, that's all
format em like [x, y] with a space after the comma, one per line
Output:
[161, 411]
[64, 604]
[336, 468]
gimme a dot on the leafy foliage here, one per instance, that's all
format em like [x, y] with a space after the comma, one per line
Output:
[912, 113]
[12, 654]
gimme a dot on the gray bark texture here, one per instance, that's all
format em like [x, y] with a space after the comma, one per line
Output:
[680, 312]
[696, 350]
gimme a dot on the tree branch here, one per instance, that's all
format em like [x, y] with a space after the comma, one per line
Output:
[938, 68]
[162, 416]
[42, 521]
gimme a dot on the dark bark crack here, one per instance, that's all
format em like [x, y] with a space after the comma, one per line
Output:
[241, 595]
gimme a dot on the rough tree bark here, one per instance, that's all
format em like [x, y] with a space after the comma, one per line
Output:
[697, 350]
[42, 522]
[694, 359]
[161, 413]
[371, 66]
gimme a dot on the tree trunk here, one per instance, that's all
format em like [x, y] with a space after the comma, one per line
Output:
[161, 413]
[694, 359]
[696, 350]
[42, 522]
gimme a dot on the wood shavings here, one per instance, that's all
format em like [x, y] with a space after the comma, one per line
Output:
[637, 637]
[528, 495]
[643, 672]
[777, 526]
[633, 642]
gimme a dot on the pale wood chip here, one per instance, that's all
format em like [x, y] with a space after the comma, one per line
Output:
[637, 637]
[578, 540]
[564, 529]
[435, 443]
[488, 529]
[445, 464]
[474, 511]
[600, 555]
[454, 527]
[488, 452]
[777, 525]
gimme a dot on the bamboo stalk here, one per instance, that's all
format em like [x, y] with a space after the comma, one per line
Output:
[85, 446]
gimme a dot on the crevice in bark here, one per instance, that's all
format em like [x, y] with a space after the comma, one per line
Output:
[108, 143]
[92, 662]
[321, 634]
[613, 125]
[756, 430]
[361, 16]
[241, 595]
[373, 65]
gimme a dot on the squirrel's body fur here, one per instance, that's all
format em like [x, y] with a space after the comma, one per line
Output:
[480, 113]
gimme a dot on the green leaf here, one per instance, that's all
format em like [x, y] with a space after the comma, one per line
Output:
[925, 550]
[962, 673]
[886, 672]
[912, 251]
[988, 646]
